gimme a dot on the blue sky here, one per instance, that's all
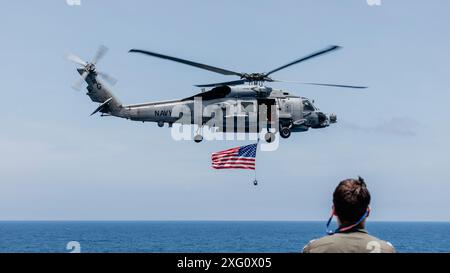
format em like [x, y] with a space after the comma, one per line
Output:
[58, 163]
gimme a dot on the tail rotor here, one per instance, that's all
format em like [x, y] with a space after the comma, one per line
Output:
[88, 68]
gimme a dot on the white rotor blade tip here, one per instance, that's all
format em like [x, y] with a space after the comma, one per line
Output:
[74, 58]
[79, 82]
[100, 53]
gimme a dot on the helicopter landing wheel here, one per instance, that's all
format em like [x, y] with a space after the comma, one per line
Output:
[285, 132]
[198, 138]
[269, 137]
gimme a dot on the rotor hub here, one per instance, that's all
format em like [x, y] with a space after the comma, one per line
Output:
[256, 78]
[253, 77]
[90, 67]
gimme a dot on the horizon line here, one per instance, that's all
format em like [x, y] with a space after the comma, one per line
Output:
[208, 220]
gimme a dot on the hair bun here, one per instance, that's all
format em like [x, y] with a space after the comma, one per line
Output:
[361, 181]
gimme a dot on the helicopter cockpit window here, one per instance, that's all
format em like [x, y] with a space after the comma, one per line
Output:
[307, 106]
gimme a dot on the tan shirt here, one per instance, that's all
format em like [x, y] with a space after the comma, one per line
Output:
[355, 241]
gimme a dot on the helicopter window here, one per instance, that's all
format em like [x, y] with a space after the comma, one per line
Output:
[247, 106]
[307, 106]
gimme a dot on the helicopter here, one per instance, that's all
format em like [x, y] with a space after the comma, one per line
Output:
[244, 105]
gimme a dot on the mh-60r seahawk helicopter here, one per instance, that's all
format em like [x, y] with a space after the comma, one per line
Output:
[238, 99]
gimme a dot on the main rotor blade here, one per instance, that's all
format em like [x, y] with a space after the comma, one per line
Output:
[107, 77]
[79, 82]
[100, 53]
[337, 85]
[198, 65]
[325, 84]
[222, 83]
[74, 58]
[310, 56]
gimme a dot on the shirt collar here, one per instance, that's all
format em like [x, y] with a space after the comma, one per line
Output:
[356, 229]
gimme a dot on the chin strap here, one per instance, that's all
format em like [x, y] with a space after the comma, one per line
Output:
[341, 229]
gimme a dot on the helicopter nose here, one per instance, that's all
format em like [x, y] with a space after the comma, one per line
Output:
[322, 118]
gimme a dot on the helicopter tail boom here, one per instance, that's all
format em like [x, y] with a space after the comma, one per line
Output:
[99, 92]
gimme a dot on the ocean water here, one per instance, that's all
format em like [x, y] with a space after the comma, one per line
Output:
[204, 236]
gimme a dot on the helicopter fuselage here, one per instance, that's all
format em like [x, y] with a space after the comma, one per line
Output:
[242, 108]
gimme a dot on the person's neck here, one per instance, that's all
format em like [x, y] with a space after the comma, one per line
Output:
[343, 224]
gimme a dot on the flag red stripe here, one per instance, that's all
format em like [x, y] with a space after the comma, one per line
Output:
[234, 167]
[234, 163]
[232, 149]
[234, 158]
[227, 151]
[224, 156]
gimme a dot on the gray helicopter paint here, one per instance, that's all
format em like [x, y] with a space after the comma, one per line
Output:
[290, 109]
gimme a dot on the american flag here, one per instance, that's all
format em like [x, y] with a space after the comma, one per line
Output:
[243, 157]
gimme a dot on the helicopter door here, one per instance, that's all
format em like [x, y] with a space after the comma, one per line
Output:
[285, 106]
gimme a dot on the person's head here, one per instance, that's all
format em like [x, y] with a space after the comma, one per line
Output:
[351, 200]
